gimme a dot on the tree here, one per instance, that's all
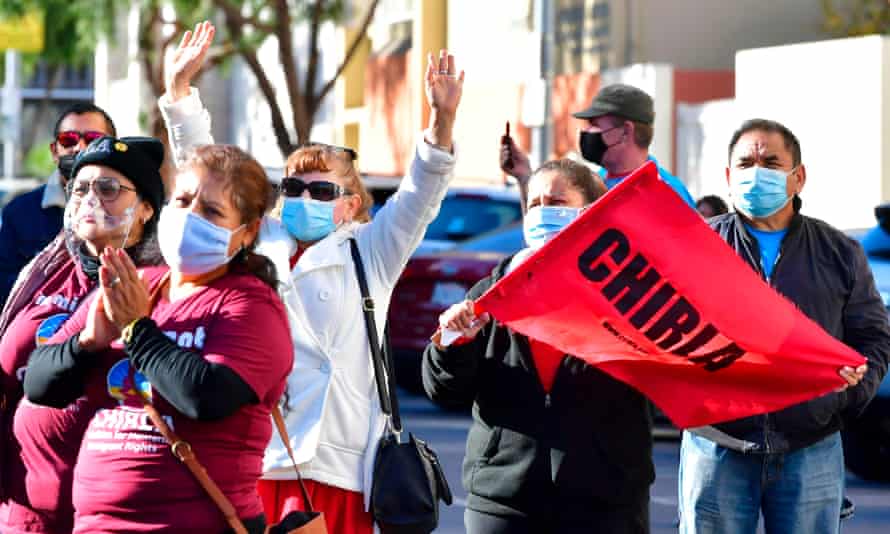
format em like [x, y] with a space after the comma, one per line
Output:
[73, 28]
[853, 18]
[247, 24]
[75, 25]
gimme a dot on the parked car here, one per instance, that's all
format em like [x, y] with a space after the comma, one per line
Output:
[433, 282]
[867, 438]
[467, 211]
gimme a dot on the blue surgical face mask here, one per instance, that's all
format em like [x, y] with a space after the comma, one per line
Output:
[541, 223]
[191, 244]
[759, 192]
[308, 220]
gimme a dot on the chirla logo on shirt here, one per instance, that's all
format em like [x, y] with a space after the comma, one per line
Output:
[49, 326]
[127, 385]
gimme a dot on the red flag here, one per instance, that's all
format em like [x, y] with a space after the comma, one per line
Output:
[642, 288]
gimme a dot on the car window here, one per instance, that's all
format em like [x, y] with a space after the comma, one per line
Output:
[507, 240]
[463, 217]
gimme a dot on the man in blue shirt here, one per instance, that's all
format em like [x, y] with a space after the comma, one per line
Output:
[616, 136]
[33, 219]
[786, 466]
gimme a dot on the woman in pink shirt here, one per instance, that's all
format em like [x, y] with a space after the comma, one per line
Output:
[207, 344]
[115, 197]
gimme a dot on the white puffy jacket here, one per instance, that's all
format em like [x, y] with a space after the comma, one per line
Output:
[333, 413]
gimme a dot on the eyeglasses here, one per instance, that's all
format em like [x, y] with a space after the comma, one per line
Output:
[106, 188]
[69, 138]
[291, 186]
[353, 155]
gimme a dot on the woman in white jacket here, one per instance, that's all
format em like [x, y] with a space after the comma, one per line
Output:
[333, 414]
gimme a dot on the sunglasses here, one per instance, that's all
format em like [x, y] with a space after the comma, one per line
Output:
[353, 155]
[106, 188]
[291, 186]
[69, 138]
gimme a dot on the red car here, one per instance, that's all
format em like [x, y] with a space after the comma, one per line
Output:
[433, 282]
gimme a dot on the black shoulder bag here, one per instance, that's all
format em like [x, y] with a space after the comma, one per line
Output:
[408, 480]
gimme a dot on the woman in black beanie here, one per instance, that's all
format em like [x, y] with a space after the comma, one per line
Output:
[114, 200]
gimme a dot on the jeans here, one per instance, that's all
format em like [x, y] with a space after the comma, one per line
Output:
[724, 491]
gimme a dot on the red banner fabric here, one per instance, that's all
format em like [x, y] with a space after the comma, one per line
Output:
[642, 288]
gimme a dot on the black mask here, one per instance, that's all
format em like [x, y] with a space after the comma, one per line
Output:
[89, 263]
[592, 146]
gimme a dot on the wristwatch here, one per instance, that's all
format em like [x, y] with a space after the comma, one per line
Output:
[127, 332]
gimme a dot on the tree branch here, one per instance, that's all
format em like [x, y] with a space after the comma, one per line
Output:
[312, 68]
[350, 52]
[284, 33]
[244, 20]
[250, 57]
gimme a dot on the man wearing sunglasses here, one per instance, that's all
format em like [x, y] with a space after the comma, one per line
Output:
[33, 219]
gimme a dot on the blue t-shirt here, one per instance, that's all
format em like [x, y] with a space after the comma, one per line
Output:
[669, 178]
[769, 243]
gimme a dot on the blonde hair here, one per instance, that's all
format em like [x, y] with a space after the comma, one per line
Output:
[322, 158]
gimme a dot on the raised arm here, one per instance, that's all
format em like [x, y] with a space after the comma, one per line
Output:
[397, 229]
[188, 123]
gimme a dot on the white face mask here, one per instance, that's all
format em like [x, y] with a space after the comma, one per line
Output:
[193, 245]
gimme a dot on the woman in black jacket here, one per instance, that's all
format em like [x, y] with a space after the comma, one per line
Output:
[556, 444]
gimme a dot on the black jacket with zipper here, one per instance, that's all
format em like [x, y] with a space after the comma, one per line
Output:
[826, 275]
[587, 443]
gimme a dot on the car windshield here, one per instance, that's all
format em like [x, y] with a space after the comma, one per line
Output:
[507, 240]
[462, 217]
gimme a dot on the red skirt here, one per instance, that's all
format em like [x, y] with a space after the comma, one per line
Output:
[344, 510]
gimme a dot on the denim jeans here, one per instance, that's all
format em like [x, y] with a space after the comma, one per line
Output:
[724, 491]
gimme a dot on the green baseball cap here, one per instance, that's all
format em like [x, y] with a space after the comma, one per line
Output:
[621, 100]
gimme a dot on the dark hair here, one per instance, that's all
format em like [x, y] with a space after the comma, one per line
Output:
[765, 125]
[579, 175]
[643, 134]
[251, 195]
[717, 204]
[80, 108]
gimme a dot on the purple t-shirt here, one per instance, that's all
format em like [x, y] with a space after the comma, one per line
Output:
[126, 479]
[40, 443]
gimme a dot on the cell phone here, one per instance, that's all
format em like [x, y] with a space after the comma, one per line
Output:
[505, 140]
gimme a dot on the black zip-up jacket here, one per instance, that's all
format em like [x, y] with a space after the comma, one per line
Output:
[826, 275]
[587, 443]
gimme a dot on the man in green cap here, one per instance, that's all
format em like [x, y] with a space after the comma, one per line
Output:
[616, 137]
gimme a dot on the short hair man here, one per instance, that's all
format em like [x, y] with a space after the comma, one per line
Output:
[33, 219]
[786, 465]
[616, 136]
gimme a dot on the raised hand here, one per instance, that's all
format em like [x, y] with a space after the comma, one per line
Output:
[443, 88]
[514, 161]
[188, 59]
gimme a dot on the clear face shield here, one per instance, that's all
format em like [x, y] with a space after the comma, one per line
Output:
[86, 219]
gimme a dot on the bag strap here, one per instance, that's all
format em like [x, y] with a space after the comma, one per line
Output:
[182, 450]
[384, 372]
[282, 431]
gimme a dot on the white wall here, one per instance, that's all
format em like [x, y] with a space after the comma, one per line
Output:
[703, 134]
[835, 96]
